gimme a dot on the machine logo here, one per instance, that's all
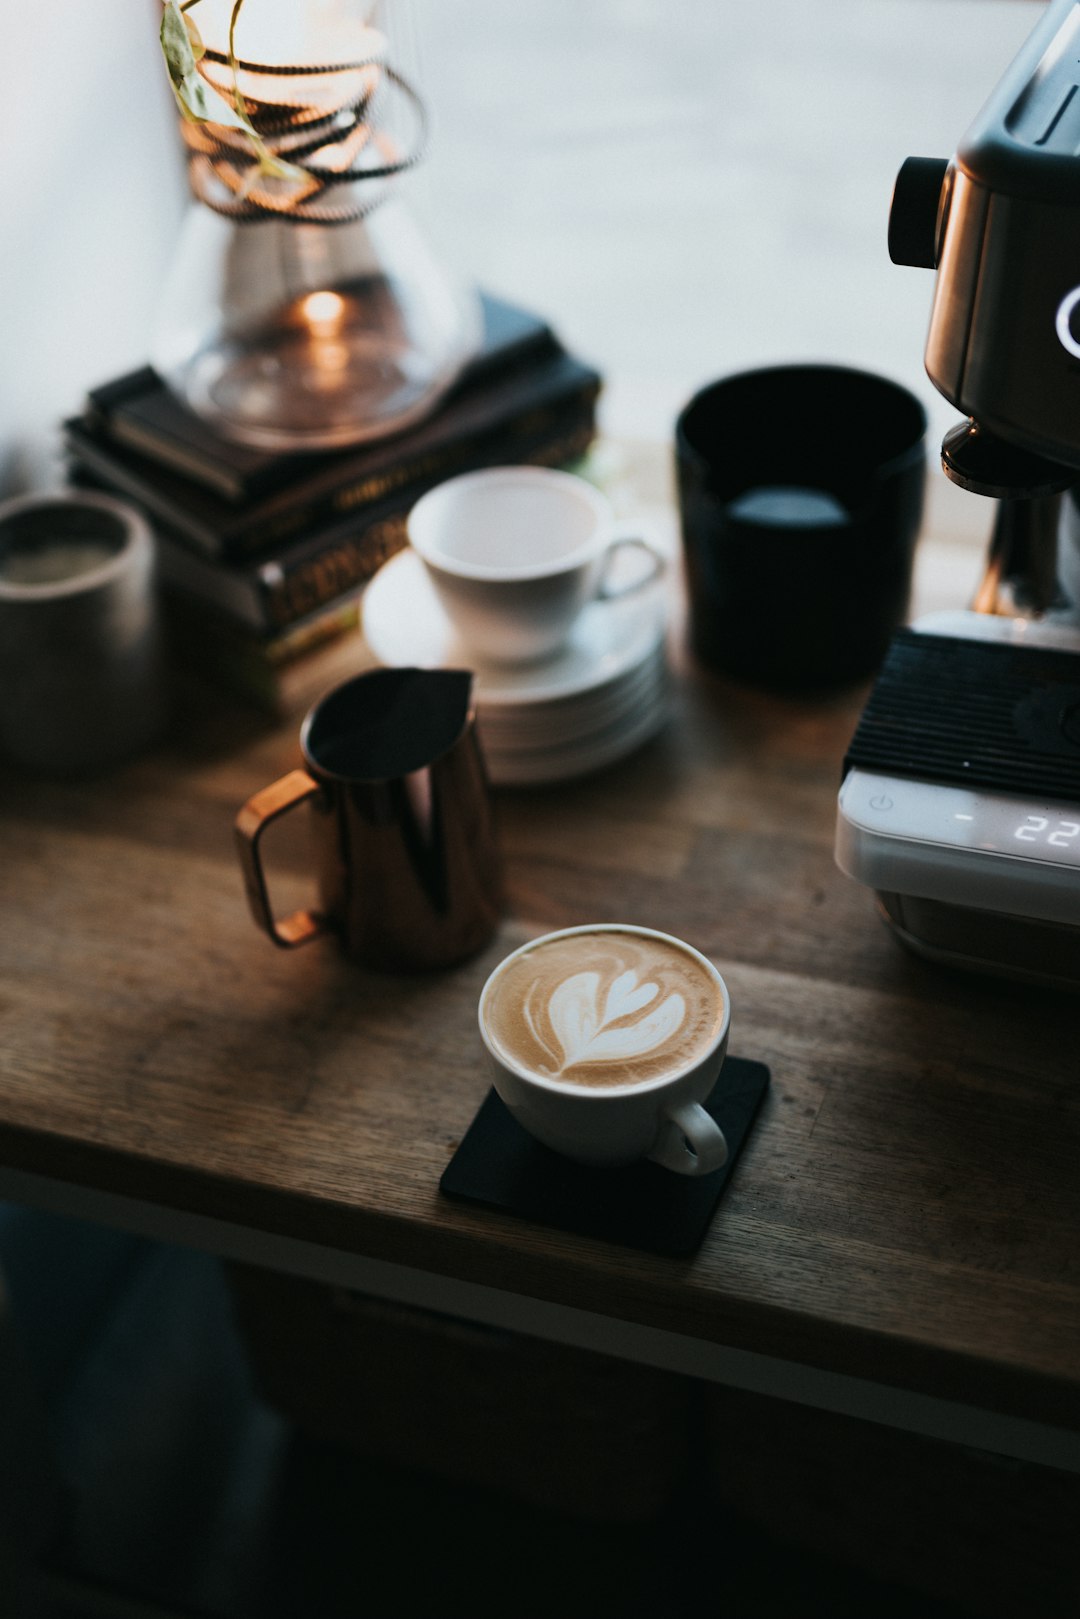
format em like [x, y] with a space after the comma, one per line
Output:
[1068, 322]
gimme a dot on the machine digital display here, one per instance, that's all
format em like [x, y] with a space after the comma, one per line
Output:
[990, 823]
[1040, 829]
[955, 846]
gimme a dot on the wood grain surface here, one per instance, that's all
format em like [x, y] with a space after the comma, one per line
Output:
[906, 1209]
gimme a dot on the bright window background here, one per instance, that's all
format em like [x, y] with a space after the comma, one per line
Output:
[685, 187]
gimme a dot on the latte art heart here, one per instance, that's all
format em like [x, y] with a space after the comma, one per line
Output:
[616, 1033]
[603, 1008]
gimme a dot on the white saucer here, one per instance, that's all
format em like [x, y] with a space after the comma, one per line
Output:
[403, 623]
[547, 725]
[537, 767]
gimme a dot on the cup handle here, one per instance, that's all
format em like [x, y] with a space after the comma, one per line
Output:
[690, 1141]
[266, 806]
[630, 538]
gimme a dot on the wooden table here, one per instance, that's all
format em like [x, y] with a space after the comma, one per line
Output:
[899, 1239]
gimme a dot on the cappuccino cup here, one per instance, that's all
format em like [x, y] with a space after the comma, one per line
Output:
[516, 553]
[604, 1041]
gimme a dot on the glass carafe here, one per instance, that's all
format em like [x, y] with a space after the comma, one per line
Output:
[304, 308]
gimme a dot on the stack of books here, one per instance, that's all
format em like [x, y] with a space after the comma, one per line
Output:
[262, 556]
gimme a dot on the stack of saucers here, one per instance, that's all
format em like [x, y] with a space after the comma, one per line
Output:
[592, 703]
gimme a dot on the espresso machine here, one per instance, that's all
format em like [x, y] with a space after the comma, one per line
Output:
[960, 803]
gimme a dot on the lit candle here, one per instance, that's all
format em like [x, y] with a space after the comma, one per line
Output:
[325, 316]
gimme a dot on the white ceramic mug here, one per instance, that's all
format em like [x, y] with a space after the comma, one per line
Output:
[659, 1117]
[516, 553]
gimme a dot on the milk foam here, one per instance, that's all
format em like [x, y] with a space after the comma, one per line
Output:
[604, 1008]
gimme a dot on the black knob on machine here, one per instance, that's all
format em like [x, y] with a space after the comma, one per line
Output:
[916, 204]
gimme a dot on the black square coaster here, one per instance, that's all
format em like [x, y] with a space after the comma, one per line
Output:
[499, 1165]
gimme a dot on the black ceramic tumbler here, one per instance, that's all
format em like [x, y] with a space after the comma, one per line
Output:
[801, 493]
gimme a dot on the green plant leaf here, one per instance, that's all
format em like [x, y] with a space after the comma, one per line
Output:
[196, 100]
[182, 47]
[198, 49]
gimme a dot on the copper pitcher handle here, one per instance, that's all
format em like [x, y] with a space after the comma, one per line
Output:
[257, 814]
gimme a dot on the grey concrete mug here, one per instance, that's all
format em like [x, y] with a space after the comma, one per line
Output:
[82, 682]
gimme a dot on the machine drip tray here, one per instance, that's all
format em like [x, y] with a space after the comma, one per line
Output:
[1046, 953]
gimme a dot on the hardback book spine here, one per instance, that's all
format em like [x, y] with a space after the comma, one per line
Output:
[272, 671]
[336, 560]
[137, 412]
[291, 587]
[493, 423]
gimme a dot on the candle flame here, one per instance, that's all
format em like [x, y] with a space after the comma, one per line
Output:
[323, 311]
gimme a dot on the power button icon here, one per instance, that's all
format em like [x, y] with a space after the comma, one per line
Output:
[1067, 323]
[881, 801]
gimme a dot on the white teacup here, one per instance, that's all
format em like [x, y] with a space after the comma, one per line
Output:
[604, 1041]
[516, 553]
